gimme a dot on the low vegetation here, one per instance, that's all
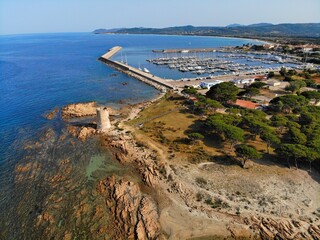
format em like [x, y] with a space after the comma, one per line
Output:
[288, 128]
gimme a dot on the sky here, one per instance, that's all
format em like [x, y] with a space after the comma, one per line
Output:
[46, 16]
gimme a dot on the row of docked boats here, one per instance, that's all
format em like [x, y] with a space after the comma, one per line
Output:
[201, 66]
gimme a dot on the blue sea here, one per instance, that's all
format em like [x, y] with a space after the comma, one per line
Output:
[39, 72]
[43, 71]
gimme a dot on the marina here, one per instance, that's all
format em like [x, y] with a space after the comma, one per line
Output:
[185, 50]
[223, 61]
[211, 68]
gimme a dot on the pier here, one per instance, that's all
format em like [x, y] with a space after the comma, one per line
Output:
[145, 77]
[111, 52]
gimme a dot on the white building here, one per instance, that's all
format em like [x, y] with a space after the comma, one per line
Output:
[209, 84]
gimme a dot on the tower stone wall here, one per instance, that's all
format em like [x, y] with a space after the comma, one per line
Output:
[103, 120]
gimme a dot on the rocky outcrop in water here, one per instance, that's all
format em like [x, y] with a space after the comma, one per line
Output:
[135, 215]
[52, 114]
[81, 133]
[79, 110]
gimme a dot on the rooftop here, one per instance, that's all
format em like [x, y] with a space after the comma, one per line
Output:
[246, 104]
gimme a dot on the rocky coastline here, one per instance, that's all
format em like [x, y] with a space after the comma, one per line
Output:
[174, 195]
[161, 201]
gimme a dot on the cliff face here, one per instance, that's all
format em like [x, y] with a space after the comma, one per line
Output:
[134, 216]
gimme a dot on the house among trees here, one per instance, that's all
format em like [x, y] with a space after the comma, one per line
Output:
[245, 104]
[260, 78]
[273, 83]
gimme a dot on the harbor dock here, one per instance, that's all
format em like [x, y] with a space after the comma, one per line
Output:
[148, 78]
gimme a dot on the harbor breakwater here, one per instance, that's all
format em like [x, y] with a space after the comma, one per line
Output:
[148, 78]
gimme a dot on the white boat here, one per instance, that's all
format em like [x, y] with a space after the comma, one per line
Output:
[146, 70]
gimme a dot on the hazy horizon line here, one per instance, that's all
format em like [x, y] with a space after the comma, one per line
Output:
[89, 31]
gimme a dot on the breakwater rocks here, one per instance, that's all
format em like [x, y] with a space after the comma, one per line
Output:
[135, 215]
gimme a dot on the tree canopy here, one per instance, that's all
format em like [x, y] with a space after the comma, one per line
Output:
[224, 126]
[294, 86]
[311, 95]
[250, 92]
[195, 136]
[287, 103]
[190, 90]
[257, 85]
[295, 151]
[270, 138]
[296, 136]
[223, 92]
[247, 152]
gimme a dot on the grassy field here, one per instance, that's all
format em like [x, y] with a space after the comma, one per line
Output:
[167, 124]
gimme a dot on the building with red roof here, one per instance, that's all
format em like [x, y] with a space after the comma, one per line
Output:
[245, 104]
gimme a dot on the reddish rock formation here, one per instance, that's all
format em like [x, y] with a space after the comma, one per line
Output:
[81, 133]
[148, 219]
[86, 132]
[281, 228]
[135, 216]
[150, 175]
[79, 110]
[51, 115]
[126, 151]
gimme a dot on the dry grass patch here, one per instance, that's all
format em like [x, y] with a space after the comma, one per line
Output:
[168, 122]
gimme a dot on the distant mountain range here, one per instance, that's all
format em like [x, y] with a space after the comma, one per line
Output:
[308, 30]
[251, 25]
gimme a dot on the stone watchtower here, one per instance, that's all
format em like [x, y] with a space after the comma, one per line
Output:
[103, 121]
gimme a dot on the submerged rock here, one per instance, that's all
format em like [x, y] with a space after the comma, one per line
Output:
[51, 115]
